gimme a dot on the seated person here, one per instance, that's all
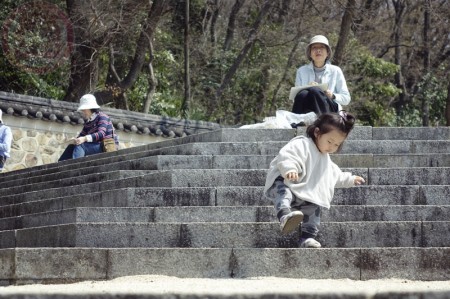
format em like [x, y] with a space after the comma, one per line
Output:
[96, 129]
[319, 71]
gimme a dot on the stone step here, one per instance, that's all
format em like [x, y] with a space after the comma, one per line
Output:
[151, 149]
[67, 198]
[11, 188]
[225, 177]
[168, 162]
[234, 135]
[228, 235]
[168, 178]
[411, 133]
[121, 155]
[358, 133]
[258, 144]
[350, 147]
[220, 214]
[30, 265]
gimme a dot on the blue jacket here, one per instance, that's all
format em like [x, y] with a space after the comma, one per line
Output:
[5, 140]
[333, 76]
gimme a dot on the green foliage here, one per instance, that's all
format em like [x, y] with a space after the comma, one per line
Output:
[372, 90]
[433, 91]
[15, 77]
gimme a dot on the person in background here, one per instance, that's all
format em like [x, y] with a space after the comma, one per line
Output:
[5, 141]
[97, 128]
[320, 71]
[301, 178]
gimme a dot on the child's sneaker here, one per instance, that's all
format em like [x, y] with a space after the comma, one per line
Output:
[290, 222]
[309, 243]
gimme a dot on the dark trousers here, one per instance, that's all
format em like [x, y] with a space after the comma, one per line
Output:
[77, 151]
[314, 100]
[285, 202]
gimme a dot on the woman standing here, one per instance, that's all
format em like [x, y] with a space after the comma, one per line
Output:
[320, 71]
[96, 129]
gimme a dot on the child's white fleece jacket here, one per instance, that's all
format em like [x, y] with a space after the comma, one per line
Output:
[318, 175]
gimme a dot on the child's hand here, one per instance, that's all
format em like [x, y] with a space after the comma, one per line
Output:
[358, 180]
[292, 176]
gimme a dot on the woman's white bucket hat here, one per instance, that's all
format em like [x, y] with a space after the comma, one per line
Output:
[87, 102]
[318, 39]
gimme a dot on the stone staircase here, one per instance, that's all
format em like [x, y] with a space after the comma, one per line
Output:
[193, 207]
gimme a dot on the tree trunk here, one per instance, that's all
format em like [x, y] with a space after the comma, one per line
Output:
[400, 6]
[447, 109]
[84, 60]
[347, 21]
[116, 93]
[232, 24]
[426, 60]
[243, 53]
[152, 81]
[187, 78]
[154, 15]
[212, 28]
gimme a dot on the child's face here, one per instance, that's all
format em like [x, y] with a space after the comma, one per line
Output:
[329, 143]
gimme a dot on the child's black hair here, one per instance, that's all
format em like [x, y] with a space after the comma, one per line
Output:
[326, 122]
[96, 110]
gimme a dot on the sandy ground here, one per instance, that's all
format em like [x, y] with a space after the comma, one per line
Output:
[257, 285]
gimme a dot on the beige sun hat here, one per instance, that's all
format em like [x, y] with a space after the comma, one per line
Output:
[318, 39]
[88, 101]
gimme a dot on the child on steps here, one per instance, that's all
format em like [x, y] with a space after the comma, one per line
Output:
[301, 178]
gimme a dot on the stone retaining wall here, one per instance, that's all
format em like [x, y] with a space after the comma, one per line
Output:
[37, 142]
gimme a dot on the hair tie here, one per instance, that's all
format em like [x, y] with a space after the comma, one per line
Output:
[343, 114]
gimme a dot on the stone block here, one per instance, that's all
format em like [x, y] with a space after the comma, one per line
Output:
[236, 235]
[7, 264]
[405, 263]
[241, 196]
[434, 195]
[119, 235]
[17, 134]
[353, 160]
[404, 133]
[436, 233]
[409, 176]
[61, 265]
[377, 147]
[7, 239]
[296, 263]
[370, 234]
[412, 160]
[179, 262]
[47, 236]
[29, 144]
[252, 135]
[242, 162]
[31, 160]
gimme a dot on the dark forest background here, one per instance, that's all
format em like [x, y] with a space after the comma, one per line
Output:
[243, 55]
